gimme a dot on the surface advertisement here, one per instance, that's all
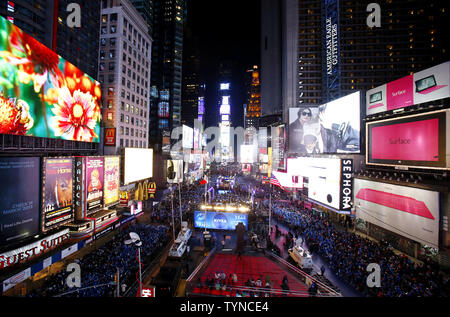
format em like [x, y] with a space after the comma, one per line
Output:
[333, 127]
[19, 206]
[219, 220]
[57, 193]
[188, 137]
[112, 180]
[42, 94]
[418, 140]
[407, 211]
[424, 86]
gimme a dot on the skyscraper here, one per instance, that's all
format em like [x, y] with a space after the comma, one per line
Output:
[328, 50]
[124, 68]
[253, 108]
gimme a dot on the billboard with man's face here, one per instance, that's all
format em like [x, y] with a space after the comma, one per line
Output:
[333, 127]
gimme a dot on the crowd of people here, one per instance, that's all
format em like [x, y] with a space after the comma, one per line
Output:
[99, 267]
[348, 255]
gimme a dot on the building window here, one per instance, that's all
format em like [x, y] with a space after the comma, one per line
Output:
[127, 131]
[113, 29]
[104, 30]
[110, 116]
[112, 41]
[104, 18]
[102, 55]
[121, 142]
[111, 78]
[111, 91]
[127, 143]
[114, 17]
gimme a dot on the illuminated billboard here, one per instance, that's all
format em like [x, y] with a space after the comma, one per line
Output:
[188, 137]
[420, 140]
[95, 175]
[57, 193]
[174, 171]
[407, 211]
[112, 180]
[19, 205]
[43, 95]
[138, 164]
[424, 86]
[224, 86]
[329, 180]
[219, 220]
[333, 127]
[248, 153]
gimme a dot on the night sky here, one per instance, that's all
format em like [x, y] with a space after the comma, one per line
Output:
[225, 30]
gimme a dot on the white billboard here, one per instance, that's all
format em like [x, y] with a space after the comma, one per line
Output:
[188, 137]
[325, 179]
[248, 153]
[407, 211]
[138, 164]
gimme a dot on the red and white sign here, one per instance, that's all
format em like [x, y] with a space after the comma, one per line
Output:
[29, 251]
[147, 292]
[408, 211]
[110, 136]
[424, 86]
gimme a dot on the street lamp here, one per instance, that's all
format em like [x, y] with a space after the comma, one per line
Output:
[134, 239]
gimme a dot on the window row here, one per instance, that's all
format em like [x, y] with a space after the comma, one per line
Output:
[131, 143]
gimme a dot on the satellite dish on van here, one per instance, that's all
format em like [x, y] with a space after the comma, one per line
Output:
[134, 238]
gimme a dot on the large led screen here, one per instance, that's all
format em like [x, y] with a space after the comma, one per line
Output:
[333, 127]
[219, 220]
[57, 193]
[19, 203]
[407, 211]
[43, 95]
[112, 180]
[416, 141]
[138, 164]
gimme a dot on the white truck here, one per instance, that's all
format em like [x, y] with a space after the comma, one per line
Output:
[302, 257]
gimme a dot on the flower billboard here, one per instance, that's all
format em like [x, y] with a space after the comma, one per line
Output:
[43, 95]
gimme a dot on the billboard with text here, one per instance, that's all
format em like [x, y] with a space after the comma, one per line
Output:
[19, 205]
[417, 141]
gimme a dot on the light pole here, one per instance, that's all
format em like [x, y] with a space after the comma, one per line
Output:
[134, 238]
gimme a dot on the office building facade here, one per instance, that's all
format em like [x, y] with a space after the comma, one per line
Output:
[124, 71]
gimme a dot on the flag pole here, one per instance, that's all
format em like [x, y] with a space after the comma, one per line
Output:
[270, 207]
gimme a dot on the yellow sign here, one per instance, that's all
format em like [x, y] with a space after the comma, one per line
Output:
[269, 164]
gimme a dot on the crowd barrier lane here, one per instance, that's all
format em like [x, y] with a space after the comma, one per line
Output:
[306, 277]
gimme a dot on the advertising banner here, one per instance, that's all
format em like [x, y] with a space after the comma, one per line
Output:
[416, 141]
[57, 193]
[278, 147]
[175, 171]
[424, 86]
[112, 180]
[25, 253]
[346, 200]
[95, 174]
[188, 137]
[110, 136]
[219, 220]
[19, 203]
[42, 94]
[138, 164]
[333, 127]
[407, 211]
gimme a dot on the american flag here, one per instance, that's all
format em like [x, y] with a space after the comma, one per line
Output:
[274, 181]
